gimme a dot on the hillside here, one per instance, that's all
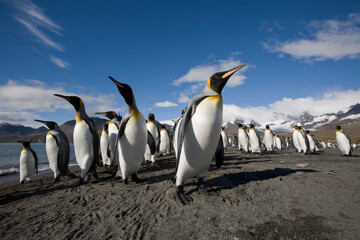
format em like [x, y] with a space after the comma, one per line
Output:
[14, 133]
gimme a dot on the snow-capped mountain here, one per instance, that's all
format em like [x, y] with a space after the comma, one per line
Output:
[282, 122]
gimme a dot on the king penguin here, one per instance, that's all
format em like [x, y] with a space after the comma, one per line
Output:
[199, 132]
[343, 141]
[105, 145]
[243, 138]
[177, 123]
[28, 162]
[278, 142]
[224, 138]
[164, 141]
[268, 139]
[153, 129]
[113, 130]
[311, 142]
[86, 139]
[132, 136]
[295, 141]
[303, 140]
[255, 143]
[57, 150]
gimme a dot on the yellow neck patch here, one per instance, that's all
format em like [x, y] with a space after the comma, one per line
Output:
[78, 118]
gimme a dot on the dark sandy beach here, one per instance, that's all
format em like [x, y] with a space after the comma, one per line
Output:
[279, 196]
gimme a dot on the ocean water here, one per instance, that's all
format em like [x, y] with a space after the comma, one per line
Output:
[10, 154]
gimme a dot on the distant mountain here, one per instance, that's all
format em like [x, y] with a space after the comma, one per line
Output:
[282, 123]
[14, 133]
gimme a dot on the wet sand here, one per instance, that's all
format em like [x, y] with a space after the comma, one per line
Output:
[270, 196]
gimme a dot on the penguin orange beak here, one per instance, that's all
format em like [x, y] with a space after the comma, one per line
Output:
[232, 71]
[74, 100]
[101, 113]
[116, 82]
[63, 96]
[44, 122]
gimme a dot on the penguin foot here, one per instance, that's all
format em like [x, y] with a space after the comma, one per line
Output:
[126, 181]
[135, 178]
[22, 181]
[78, 183]
[57, 179]
[180, 196]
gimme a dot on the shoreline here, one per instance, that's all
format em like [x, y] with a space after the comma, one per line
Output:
[11, 179]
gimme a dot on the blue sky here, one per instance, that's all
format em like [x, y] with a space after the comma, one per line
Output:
[302, 56]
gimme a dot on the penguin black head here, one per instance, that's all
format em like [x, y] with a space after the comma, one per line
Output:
[109, 114]
[338, 127]
[218, 80]
[51, 125]
[26, 144]
[267, 126]
[307, 131]
[251, 125]
[223, 128]
[239, 125]
[162, 126]
[125, 91]
[151, 117]
[74, 100]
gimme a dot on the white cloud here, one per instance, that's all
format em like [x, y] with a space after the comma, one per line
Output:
[184, 98]
[35, 21]
[165, 104]
[27, 99]
[201, 73]
[328, 39]
[198, 75]
[270, 26]
[59, 62]
[330, 102]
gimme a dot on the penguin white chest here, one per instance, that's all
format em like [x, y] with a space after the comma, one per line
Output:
[132, 145]
[152, 128]
[201, 137]
[52, 150]
[104, 144]
[83, 144]
[27, 165]
[343, 143]
[268, 140]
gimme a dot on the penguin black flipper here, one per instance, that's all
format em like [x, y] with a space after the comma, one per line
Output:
[219, 153]
[158, 130]
[63, 153]
[151, 142]
[123, 125]
[36, 159]
[121, 131]
[306, 139]
[96, 142]
[190, 111]
[346, 135]
[108, 151]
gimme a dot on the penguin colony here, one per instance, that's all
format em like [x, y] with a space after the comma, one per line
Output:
[127, 141]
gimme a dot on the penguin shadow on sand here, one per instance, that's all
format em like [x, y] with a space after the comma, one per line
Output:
[37, 188]
[232, 180]
[163, 163]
